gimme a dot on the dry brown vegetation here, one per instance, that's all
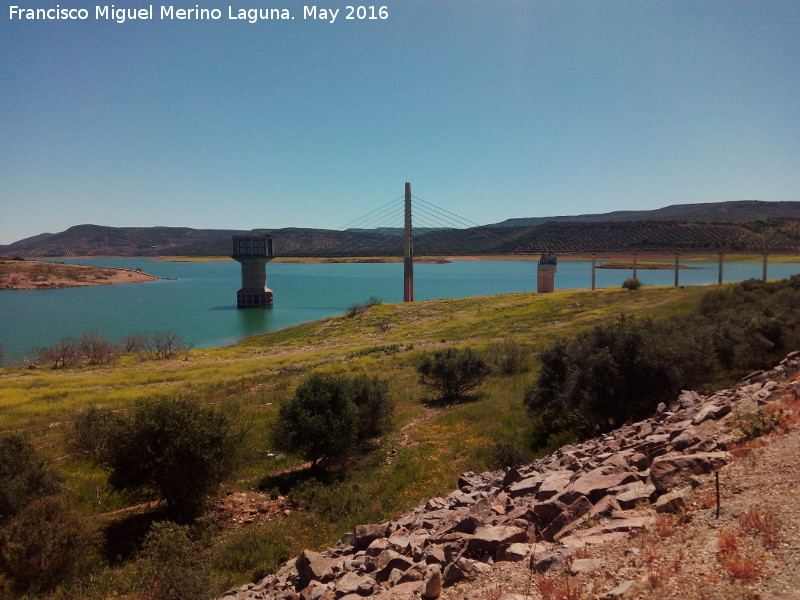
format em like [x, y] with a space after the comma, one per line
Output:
[36, 275]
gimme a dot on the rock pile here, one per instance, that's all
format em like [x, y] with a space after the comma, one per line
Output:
[582, 494]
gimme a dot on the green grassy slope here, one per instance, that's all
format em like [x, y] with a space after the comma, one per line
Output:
[430, 446]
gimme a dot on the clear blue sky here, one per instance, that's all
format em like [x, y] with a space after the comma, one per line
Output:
[491, 109]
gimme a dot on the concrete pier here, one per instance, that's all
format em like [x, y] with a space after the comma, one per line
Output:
[253, 252]
[546, 273]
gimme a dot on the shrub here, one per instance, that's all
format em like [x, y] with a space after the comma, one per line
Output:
[320, 422]
[452, 372]
[553, 587]
[172, 566]
[330, 414]
[728, 541]
[509, 453]
[507, 357]
[356, 309]
[174, 449]
[757, 423]
[632, 284]
[254, 552]
[23, 475]
[331, 502]
[753, 323]
[616, 372]
[46, 544]
[743, 567]
[132, 343]
[95, 348]
[3, 353]
[373, 404]
[91, 432]
[162, 345]
[756, 522]
[63, 354]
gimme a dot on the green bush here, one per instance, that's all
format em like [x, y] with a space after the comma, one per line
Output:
[757, 423]
[45, 545]
[619, 371]
[373, 404]
[509, 453]
[23, 475]
[331, 502]
[752, 324]
[330, 415]
[173, 449]
[452, 373]
[253, 552]
[632, 284]
[173, 566]
[615, 372]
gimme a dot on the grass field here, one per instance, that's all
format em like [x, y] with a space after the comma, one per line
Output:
[430, 446]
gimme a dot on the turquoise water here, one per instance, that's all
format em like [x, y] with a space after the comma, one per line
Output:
[200, 303]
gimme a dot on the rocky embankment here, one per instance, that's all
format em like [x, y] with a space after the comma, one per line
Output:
[547, 515]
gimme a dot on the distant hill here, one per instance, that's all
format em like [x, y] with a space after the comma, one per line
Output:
[713, 212]
[775, 235]
[775, 227]
[98, 240]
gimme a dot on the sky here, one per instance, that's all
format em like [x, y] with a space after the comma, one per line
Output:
[491, 109]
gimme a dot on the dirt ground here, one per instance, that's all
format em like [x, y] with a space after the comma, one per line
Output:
[36, 275]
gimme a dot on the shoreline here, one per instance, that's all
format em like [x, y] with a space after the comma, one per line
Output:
[662, 257]
[46, 275]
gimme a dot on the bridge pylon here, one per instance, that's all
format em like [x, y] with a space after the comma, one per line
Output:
[408, 251]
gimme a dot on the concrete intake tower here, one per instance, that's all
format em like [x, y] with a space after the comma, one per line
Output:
[253, 252]
[546, 273]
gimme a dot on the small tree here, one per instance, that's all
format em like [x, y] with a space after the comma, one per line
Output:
[64, 353]
[23, 475]
[330, 415]
[2, 354]
[373, 404]
[452, 372]
[91, 431]
[134, 342]
[320, 422]
[163, 345]
[356, 309]
[46, 544]
[173, 449]
[95, 348]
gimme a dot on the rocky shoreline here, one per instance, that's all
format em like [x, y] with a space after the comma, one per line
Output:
[544, 513]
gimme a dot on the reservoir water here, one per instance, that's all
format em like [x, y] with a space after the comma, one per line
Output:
[200, 302]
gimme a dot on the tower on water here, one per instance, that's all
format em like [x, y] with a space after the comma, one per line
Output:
[253, 252]
[546, 273]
